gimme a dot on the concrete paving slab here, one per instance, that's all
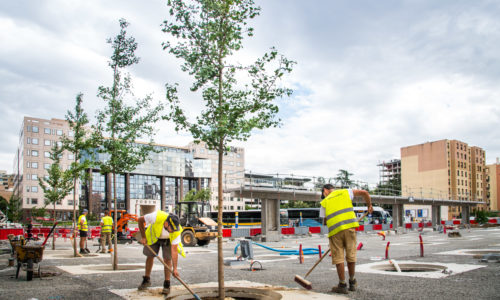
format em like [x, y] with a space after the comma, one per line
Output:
[374, 268]
[470, 252]
[287, 293]
[106, 268]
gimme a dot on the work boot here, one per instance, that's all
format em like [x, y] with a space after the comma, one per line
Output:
[145, 283]
[110, 250]
[353, 284]
[103, 251]
[166, 287]
[340, 289]
[87, 250]
[82, 251]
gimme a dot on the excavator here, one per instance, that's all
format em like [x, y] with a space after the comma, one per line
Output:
[123, 217]
[198, 229]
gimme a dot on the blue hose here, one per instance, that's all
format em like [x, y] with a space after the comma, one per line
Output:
[305, 251]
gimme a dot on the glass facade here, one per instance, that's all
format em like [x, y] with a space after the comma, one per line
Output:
[144, 184]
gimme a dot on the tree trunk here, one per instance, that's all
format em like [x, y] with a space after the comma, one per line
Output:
[54, 233]
[115, 240]
[220, 202]
[75, 254]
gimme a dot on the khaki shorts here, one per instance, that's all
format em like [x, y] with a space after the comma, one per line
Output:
[165, 247]
[343, 240]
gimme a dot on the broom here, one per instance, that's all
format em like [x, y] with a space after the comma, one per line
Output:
[306, 283]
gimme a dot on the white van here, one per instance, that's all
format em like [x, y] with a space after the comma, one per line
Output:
[379, 215]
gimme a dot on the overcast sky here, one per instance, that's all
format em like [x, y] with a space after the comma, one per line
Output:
[371, 76]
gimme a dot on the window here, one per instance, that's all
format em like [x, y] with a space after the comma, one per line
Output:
[71, 156]
[46, 166]
[34, 141]
[46, 130]
[46, 142]
[34, 165]
[34, 152]
[28, 141]
[71, 133]
[59, 144]
[59, 132]
[34, 189]
[46, 154]
[34, 177]
[34, 129]
[34, 201]
[238, 164]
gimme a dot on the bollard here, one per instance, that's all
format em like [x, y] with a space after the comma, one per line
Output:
[387, 250]
[421, 246]
[301, 254]
[360, 245]
[319, 251]
[444, 228]
[382, 234]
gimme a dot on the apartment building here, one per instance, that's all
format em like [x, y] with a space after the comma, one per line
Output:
[493, 185]
[445, 169]
[233, 174]
[6, 184]
[32, 160]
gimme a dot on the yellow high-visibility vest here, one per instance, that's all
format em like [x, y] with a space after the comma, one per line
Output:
[107, 224]
[153, 232]
[339, 212]
[84, 227]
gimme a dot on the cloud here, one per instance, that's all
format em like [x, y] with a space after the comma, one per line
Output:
[371, 77]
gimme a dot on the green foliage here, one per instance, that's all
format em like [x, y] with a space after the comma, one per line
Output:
[481, 217]
[3, 204]
[320, 183]
[391, 188]
[120, 125]
[59, 183]
[300, 204]
[200, 196]
[14, 210]
[38, 212]
[344, 179]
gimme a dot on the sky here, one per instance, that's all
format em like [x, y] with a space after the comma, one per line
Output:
[371, 76]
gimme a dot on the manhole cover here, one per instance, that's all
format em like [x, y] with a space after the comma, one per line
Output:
[236, 293]
[411, 268]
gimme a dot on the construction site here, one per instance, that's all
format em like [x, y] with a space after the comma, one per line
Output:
[408, 263]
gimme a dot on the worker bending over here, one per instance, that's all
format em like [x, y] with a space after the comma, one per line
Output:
[338, 212]
[163, 230]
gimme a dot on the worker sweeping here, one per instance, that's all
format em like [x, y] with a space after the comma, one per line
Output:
[163, 230]
[338, 212]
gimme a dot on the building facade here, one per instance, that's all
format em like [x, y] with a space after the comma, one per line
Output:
[389, 171]
[6, 184]
[233, 173]
[445, 169]
[493, 185]
[32, 160]
[158, 183]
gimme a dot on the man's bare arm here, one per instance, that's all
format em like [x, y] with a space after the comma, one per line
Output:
[366, 197]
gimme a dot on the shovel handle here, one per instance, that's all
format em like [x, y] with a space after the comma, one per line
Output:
[51, 230]
[172, 272]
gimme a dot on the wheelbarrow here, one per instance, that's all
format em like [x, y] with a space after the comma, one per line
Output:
[29, 256]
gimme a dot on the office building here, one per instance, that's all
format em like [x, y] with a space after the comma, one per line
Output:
[233, 173]
[159, 182]
[445, 169]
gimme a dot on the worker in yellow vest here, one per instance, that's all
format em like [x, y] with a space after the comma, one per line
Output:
[160, 229]
[83, 228]
[106, 228]
[339, 216]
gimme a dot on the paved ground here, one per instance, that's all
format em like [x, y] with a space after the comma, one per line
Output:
[91, 278]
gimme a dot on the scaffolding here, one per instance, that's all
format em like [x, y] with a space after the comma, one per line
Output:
[389, 170]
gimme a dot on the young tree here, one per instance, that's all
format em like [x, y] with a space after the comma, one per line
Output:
[78, 145]
[120, 125]
[344, 178]
[58, 184]
[14, 209]
[206, 35]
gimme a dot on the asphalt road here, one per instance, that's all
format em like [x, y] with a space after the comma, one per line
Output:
[87, 278]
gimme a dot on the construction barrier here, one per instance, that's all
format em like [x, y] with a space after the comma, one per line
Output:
[4, 232]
